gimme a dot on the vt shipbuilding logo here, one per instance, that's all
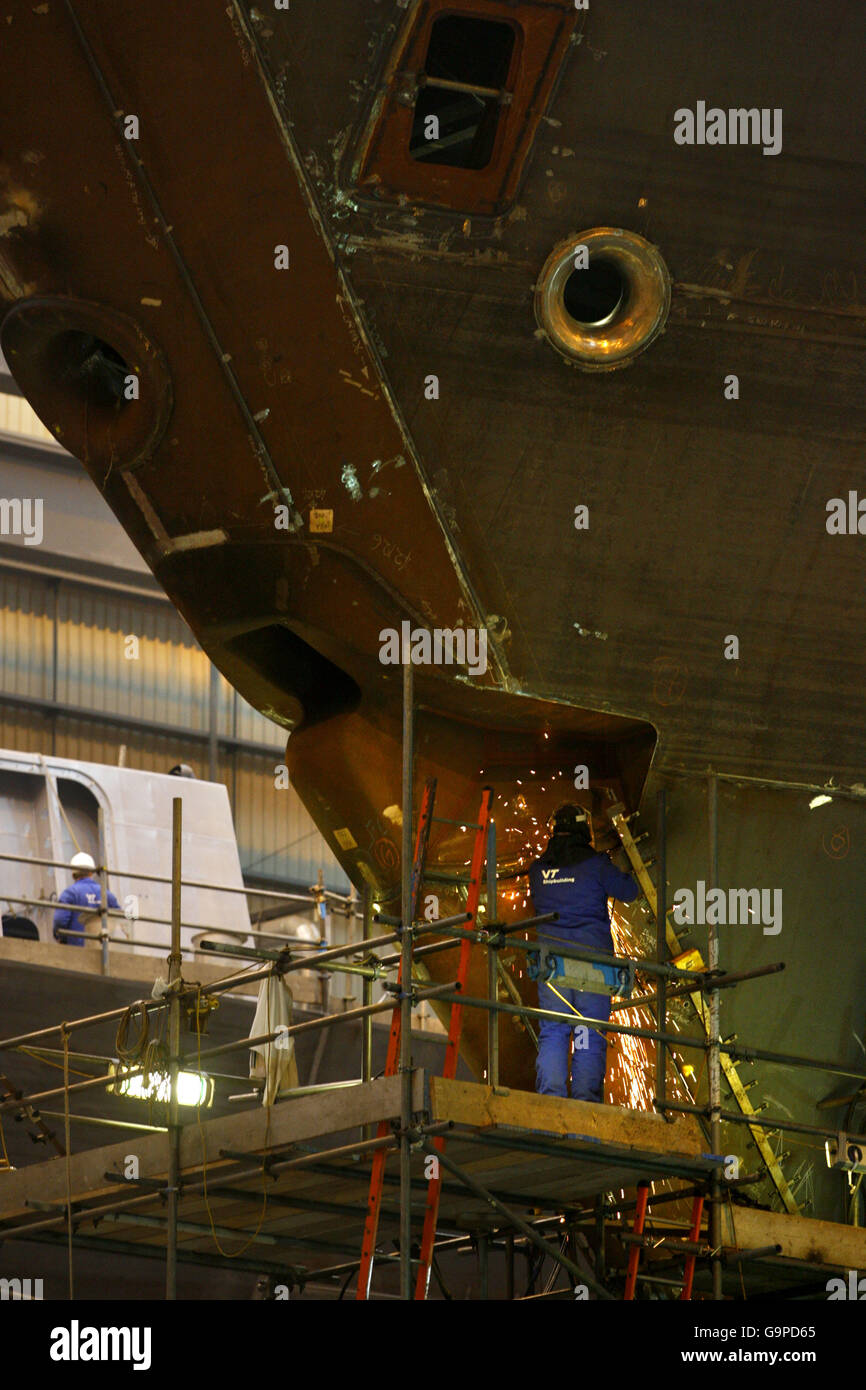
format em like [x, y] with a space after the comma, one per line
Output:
[551, 876]
[444, 646]
[77, 1343]
[736, 126]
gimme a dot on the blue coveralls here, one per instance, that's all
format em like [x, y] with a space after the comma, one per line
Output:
[579, 893]
[84, 893]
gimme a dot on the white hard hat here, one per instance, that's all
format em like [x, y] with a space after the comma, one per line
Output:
[82, 861]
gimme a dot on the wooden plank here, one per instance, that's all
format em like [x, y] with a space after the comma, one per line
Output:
[801, 1237]
[470, 1103]
[538, 1176]
[293, 1121]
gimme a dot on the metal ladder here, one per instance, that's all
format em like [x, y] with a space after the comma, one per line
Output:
[377, 1174]
[452, 1050]
[643, 1200]
[696, 962]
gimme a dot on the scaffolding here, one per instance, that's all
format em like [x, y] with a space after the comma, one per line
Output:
[522, 1174]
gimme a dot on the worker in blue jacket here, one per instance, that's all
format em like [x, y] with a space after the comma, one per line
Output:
[85, 894]
[575, 881]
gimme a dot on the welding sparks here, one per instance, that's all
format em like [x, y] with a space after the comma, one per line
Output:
[632, 1073]
[631, 1069]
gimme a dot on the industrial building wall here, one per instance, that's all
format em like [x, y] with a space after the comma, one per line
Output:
[73, 683]
[18, 418]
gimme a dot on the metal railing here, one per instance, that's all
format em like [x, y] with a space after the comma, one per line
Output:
[338, 903]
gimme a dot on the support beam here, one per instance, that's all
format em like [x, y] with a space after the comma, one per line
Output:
[661, 942]
[714, 1070]
[62, 709]
[174, 981]
[407, 941]
[800, 1237]
[249, 1264]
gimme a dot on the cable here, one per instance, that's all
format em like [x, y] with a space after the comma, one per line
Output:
[26, 1052]
[230, 1254]
[148, 1052]
[3, 1142]
[733, 1229]
[132, 1053]
[568, 1005]
[437, 1272]
[557, 1268]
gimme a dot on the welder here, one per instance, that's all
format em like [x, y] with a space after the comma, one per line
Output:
[84, 894]
[575, 881]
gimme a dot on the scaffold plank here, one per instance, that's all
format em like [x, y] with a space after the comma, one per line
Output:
[251, 1131]
[473, 1104]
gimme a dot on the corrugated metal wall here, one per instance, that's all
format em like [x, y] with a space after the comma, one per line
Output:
[17, 418]
[25, 634]
[167, 683]
[118, 653]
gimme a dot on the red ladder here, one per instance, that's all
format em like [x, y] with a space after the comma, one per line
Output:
[694, 1236]
[377, 1173]
[634, 1254]
[449, 1070]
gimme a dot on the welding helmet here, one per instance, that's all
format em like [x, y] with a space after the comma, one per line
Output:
[569, 819]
